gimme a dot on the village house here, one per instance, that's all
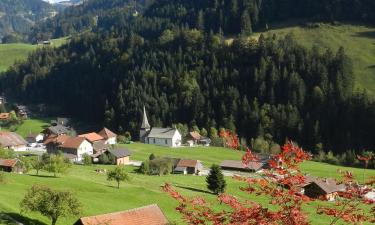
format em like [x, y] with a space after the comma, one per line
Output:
[109, 137]
[169, 137]
[4, 116]
[92, 137]
[11, 165]
[120, 156]
[53, 141]
[11, 140]
[147, 215]
[77, 146]
[321, 188]
[34, 138]
[194, 138]
[188, 166]
[236, 165]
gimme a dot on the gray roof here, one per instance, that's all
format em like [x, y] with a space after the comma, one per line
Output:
[145, 124]
[58, 129]
[120, 153]
[9, 139]
[100, 145]
[157, 132]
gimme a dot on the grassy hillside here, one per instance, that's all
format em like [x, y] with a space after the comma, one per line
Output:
[100, 196]
[358, 41]
[9, 53]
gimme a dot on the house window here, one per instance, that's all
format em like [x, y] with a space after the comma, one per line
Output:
[154, 141]
[166, 141]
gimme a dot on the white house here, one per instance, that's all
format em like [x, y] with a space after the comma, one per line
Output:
[78, 147]
[170, 137]
[109, 137]
[34, 138]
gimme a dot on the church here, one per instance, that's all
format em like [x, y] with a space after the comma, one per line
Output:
[169, 137]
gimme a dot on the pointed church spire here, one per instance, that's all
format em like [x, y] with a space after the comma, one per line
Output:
[145, 124]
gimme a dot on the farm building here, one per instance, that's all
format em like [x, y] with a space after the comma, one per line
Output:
[109, 137]
[11, 140]
[169, 137]
[236, 165]
[117, 156]
[11, 165]
[147, 215]
[322, 188]
[188, 166]
[92, 137]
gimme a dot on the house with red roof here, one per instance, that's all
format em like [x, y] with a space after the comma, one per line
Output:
[109, 137]
[147, 215]
[188, 166]
[92, 137]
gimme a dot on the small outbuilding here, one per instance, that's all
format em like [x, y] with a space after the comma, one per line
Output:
[236, 165]
[188, 166]
[4, 116]
[11, 140]
[11, 165]
[322, 188]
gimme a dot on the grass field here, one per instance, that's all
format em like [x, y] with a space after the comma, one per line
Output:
[33, 126]
[358, 41]
[10, 53]
[99, 196]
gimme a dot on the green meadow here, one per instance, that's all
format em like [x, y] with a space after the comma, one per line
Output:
[99, 196]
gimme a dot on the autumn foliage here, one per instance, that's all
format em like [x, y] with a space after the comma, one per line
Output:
[281, 185]
[230, 139]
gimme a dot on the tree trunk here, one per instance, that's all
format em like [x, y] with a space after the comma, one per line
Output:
[118, 185]
[54, 220]
[37, 172]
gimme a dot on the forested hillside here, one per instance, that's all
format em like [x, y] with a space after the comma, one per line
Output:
[174, 60]
[17, 16]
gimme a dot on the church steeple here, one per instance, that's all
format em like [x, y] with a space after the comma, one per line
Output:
[145, 125]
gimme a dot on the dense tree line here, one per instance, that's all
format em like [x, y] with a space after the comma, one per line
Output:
[227, 16]
[269, 89]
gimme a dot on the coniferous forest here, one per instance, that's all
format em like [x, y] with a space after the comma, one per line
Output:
[174, 58]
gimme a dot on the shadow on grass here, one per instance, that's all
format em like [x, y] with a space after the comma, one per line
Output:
[365, 34]
[16, 218]
[42, 176]
[194, 189]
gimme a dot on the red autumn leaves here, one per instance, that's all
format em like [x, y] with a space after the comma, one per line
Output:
[281, 186]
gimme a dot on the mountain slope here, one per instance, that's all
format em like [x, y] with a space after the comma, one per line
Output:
[17, 16]
[358, 41]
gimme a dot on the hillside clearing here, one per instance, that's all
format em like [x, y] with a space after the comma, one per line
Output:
[358, 41]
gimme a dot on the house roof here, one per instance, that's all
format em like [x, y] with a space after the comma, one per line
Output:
[236, 164]
[195, 135]
[63, 121]
[56, 139]
[8, 162]
[157, 132]
[120, 153]
[106, 133]
[9, 139]
[4, 116]
[92, 137]
[58, 129]
[187, 163]
[100, 145]
[147, 215]
[72, 142]
[326, 184]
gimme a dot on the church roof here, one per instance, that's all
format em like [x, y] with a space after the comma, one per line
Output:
[145, 124]
[157, 132]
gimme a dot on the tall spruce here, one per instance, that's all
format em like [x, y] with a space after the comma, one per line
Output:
[215, 180]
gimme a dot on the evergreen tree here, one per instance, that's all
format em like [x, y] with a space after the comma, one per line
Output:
[246, 26]
[215, 180]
